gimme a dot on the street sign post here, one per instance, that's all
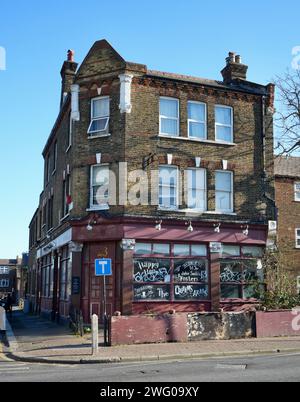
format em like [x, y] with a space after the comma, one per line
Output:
[103, 267]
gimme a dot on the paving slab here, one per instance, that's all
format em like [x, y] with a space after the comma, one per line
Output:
[35, 339]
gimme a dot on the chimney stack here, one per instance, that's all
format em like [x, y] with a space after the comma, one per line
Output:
[67, 73]
[234, 68]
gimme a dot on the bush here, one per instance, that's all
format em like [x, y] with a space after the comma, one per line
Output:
[280, 285]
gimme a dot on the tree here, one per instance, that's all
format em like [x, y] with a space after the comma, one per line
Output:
[288, 115]
[280, 291]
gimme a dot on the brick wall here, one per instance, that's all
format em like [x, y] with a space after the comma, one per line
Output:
[288, 221]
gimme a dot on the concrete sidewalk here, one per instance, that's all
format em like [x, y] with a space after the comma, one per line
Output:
[34, 339]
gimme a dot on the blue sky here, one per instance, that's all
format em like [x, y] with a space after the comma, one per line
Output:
[190, 37]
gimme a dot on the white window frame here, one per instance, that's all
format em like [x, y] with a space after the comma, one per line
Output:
[224, 125]
[297, 237]
[205, 189]
[4, 270]
[4, 283]
[169, 118]
[165, 207]
[198, 121]
[92, 205]
[105, 130]
[297, 191]
[225, 211]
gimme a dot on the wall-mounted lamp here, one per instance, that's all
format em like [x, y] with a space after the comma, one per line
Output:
[190, 227]
[217, 227]
[158, 225]
[90, 224]
[246, 230]
[89, 227]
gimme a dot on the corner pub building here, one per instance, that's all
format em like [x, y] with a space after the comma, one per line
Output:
[188, 253]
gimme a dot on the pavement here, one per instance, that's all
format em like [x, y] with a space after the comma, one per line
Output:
[33, 339]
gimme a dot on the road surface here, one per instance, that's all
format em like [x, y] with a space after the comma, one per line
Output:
[249, 369]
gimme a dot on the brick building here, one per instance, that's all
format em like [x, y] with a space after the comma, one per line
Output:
[10, 270]
[204, 150]
[287, 186]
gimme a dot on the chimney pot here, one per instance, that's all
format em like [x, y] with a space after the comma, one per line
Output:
[230, 58]
[234, 69]
[71, 55]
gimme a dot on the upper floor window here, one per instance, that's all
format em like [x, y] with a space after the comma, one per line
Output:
[48, 166]
[66, 195]
[224, 123]
[197, 120]
[99, 116]
[169, 116]
[99, 187]
[224, 192]
[168, 187]
[4, 270]
[70, 133]
[297, 191]
[298, 238]
[196, 181]
[55, 157]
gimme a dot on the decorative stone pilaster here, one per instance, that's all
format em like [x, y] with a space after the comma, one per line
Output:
[125, 93]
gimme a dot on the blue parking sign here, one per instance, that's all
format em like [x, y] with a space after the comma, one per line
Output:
[103, 267]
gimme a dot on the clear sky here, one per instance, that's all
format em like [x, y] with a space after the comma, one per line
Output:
[190, 37]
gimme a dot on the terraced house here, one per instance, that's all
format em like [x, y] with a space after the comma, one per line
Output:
[170, 176]
[287, 185]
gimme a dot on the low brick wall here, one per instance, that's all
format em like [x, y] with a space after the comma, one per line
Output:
[180, 327]
[217, 326]
[277, 323]
[127, 330]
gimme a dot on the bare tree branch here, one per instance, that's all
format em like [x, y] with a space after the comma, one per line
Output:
[287, 119]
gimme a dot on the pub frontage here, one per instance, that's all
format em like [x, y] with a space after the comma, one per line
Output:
[155, 269]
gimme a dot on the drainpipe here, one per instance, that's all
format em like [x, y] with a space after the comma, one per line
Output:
[265, 195]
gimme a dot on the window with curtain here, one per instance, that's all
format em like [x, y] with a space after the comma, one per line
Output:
[197, 120]
[224, 192]
[169, 116]
[224, 123]
[99, 116]
[99, 187]
[168, 187]
[196, 184]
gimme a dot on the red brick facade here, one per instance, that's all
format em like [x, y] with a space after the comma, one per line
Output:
[288, 205]
[66, 229]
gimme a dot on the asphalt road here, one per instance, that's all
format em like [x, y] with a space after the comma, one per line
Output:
[277, 368]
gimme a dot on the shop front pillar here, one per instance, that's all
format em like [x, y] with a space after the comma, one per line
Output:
[76, 261]
[215, 276]
[127, 246]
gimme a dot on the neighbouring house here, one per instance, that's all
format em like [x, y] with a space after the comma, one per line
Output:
[287, 185]
[10, 274]
[169, 176]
